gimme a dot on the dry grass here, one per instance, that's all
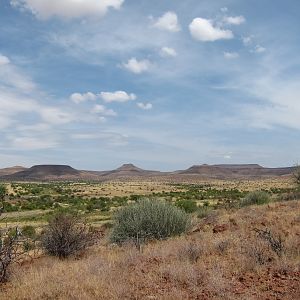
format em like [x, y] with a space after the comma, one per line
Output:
[202, 265]
[146, 186]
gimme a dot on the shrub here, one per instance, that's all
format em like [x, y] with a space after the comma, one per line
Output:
[65, 235]
[256, 197]
[148, 219]
[188, 206]
[10, 251]
[204, 211]
[275, 242]
[296, 175]
[190, 251]
[28, 231]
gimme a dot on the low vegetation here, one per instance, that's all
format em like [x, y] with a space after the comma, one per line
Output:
[65, 235]
[254, 254]
[191, 241]
[256, 198]
[148, 219]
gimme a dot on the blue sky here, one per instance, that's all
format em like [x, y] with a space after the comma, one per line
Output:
[162, 84]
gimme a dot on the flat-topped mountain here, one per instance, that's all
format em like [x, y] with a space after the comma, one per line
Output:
[235, 171]
[45, 172]
[63, 172]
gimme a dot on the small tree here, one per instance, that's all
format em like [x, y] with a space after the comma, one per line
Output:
[3, 192]
[148, 219]
[11, 249]
[66, 235]
[296, 175]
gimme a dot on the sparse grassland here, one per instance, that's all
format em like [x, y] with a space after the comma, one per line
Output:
[243, 242]
[226, 255]
[34, 202]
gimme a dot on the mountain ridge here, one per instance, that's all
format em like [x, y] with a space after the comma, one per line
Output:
[65, 172]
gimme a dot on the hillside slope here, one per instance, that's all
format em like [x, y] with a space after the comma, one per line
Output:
[11, 170]
[223, 257]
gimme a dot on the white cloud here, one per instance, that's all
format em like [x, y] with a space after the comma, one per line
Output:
[67, 9]
[235, 20]
[167, 51]
[38, 127]
[247, 40]
[101, 109]
[4, 60]
[231, 55]
[33, 143]
[259, 49]
[12, 77]
[110, 138]
[145, 106]
[78, 98]
[169, 22]
[224, 9]
[55, 116]
[137, 67]
[204, 30]
[118, 96]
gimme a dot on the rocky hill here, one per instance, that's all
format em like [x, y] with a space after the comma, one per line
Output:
[12, 170]
[235, 171]
[126, 171]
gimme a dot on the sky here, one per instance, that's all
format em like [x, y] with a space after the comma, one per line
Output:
[163, 84]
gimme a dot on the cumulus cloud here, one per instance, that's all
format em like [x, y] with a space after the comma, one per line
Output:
[118, 96]
[145, 106]
[102, 110]
[204, 30]
[169, 22]
[235, 20]
[167, 51]
[4, 60]
[67, 9]
[137, 67]
[247, 40]
[78, 98]
[231, 55]
[259, 49]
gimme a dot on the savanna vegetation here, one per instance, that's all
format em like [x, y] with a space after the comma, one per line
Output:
[224, 240]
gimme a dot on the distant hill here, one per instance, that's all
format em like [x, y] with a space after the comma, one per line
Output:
[235, 171]
[127, 171]
[12, 170]
[49, 172]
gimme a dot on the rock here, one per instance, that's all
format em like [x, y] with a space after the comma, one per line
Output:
[220, 228]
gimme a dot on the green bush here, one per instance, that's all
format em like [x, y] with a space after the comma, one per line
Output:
[189, 206]
[256, 198]
[148, 219]
[28, 231]
[3, 192]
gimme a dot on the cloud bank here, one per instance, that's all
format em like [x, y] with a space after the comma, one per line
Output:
[67, 9]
